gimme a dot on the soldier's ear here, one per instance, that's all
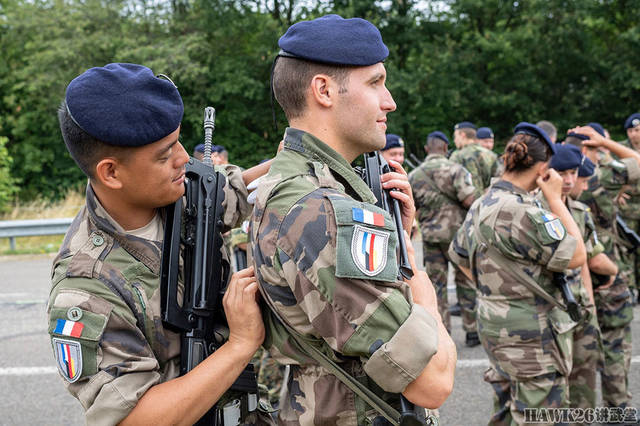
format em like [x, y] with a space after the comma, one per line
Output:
[323, 90]
[107, 173]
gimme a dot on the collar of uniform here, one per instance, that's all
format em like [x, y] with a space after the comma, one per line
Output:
[311, 147]
[147, 252]
[508, 186]
[431, 156]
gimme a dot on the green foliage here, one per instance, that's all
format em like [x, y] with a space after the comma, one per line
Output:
[495, 62]
[8, 182]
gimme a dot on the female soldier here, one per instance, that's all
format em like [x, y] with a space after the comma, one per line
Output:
[512, 246]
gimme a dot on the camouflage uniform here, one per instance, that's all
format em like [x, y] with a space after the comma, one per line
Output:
[587, 344]
[310, 217]
[483, 165]
[107, 281]
[439, 186]
[614, 305]
[630, 212]
[530, 360]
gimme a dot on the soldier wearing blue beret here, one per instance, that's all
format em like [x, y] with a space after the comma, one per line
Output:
[393, 149]
[324, 253]
[485, 138]
[613, 300]
[121, 125]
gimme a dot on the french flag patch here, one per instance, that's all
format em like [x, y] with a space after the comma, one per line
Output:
[69, 328]
[367, 217]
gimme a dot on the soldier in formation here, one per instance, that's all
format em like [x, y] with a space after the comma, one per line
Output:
[443, 191]
[325, 255]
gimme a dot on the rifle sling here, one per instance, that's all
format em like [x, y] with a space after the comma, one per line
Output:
[386, 410]
[518, 273]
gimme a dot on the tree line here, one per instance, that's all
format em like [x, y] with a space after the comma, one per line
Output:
[494, 62]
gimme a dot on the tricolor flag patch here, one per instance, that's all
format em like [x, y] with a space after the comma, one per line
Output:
[69, 328]
[553, 226]
[68, 358]
[367, 217]
[369, 249]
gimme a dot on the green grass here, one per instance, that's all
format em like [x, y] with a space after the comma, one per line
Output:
[40, 209]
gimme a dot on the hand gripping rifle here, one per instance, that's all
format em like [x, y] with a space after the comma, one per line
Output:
[374, 167]
[192, 250]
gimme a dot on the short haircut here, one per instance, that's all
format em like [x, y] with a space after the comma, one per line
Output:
[469, 132]
[436, 144]
[573, 140]
[549, 128]
[291, 78]
[86, 150]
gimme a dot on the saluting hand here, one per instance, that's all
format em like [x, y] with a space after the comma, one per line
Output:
[595, 139]
[551, 185]
[400, 181]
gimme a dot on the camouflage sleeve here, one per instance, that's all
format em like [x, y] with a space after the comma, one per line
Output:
[633, 169]
[460, 247]
[592, 244]
[463, 183]
[476, 176]
[102, 355]
[236, 207]
[341, 271]
[535, 235]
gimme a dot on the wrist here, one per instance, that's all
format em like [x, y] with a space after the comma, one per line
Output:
[241, 349]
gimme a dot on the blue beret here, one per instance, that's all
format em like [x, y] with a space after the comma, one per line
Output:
[567, 157]
[438, 134]
[217, 148]
[587, 168]
[579, 136]
[332, 39]
[464, 125]
[484, 133]
[535, 131]
[393, 141]
[124, 104]
[597, 127]
[632, 121]
[199, 148]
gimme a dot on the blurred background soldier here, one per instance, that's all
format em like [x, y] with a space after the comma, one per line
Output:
[549, 129]
[512, 246]
[442, 191]
[483, 165]
[394, 149]
[613, 300]
[198, 152]
[586, 335]
[629, 205]
[485, 138]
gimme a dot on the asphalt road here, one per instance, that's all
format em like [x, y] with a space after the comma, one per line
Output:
[33, 392]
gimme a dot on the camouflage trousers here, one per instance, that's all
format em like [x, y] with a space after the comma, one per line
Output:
[270, 376]
[615, 312]
[436, 264]
[587, 352]
[512, 396]
[630, 265]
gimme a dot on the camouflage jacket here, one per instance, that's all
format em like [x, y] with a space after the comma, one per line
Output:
[439, 187]
[325, 260]
[631, 209]
[480, 162]
[581, 214]
[514, 324]
[610, 176]
[104, 310]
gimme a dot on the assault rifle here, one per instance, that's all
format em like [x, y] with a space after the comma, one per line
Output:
[193, 234]
[573, 309]
[628, 235]
[374, 167]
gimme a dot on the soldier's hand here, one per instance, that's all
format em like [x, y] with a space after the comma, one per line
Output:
[622, 197]
[399, 180]
[246, 329]
[607, 285]
[595, 139]
[550, 184]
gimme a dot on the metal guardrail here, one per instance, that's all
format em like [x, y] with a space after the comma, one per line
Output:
[34, 227]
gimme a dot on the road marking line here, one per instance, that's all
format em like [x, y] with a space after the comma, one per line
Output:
[36, 371]
[27, 371]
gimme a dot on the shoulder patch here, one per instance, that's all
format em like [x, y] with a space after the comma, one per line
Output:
[554, 226]
[68, 355]
[366, 241]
